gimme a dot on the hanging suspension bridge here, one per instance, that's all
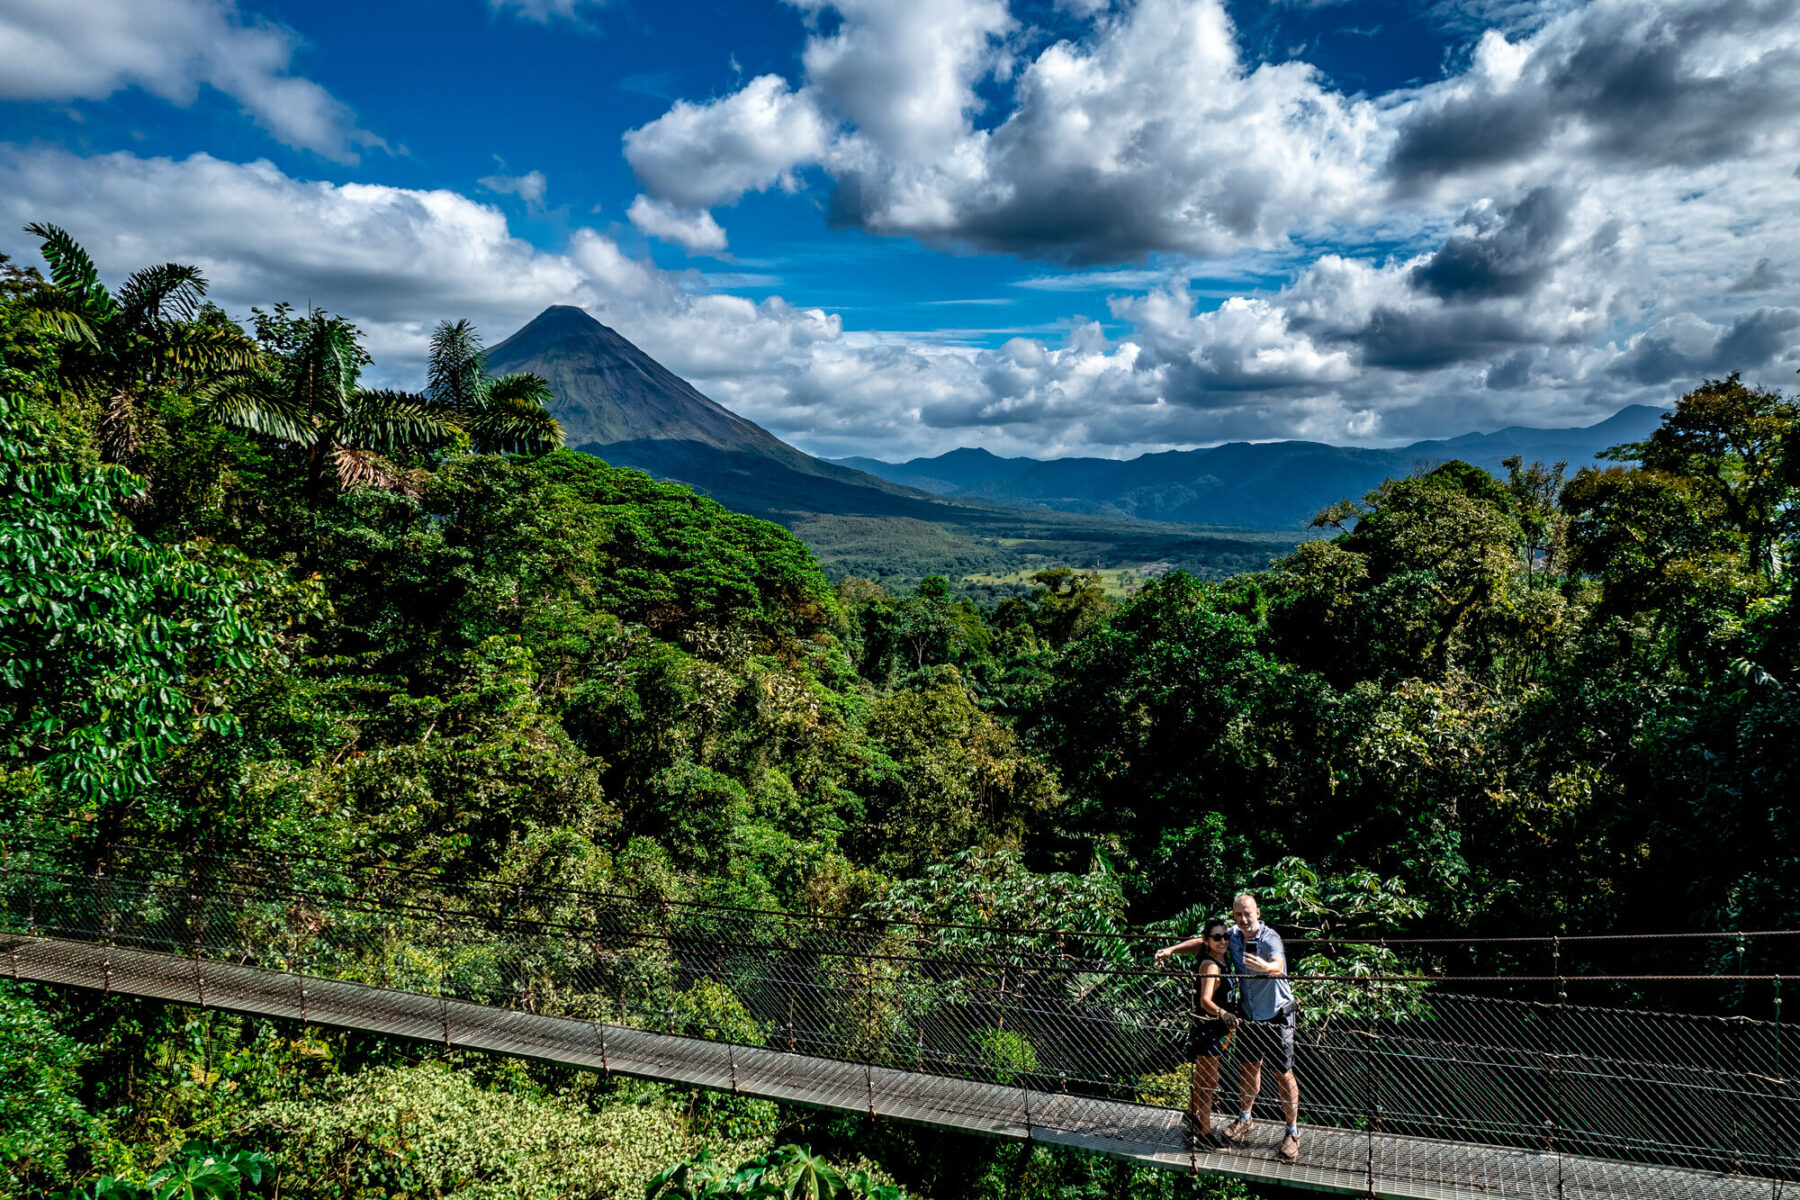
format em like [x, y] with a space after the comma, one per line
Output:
[1413, 1084]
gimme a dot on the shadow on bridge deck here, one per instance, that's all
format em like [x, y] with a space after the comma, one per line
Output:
[1333, 1160]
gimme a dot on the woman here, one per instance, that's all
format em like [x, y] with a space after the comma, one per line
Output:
[1213, 1022]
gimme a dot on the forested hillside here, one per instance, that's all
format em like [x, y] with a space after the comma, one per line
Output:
[246, 602]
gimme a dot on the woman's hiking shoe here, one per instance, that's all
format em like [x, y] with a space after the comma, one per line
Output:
[1198, 1137]
[1238, 1130]
[1290, 1149]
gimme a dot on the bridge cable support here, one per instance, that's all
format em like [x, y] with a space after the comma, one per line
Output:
[1782, 1096]
[1556, 1056]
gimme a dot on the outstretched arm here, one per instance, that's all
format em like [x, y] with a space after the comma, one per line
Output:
[1191, 946]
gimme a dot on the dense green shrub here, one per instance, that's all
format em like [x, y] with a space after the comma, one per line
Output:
[430, 1131]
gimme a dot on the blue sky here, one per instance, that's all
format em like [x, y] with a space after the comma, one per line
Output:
[1045, 226]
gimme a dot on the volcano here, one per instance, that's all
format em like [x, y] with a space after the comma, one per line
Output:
[619, 404]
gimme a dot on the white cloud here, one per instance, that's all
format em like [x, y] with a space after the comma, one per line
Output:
[1081, 281]
[1596, 211]
[1150, 134]
[1549, 304]
[698, 155]
[903, 75]
[1245, 343]
[395, 260]
[89, 49]
[542, 11]
[529, 187]
[695, 231]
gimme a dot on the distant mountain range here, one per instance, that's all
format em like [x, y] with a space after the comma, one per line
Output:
[1262, 485]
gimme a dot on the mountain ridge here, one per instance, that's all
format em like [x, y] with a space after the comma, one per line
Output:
[1266, 485]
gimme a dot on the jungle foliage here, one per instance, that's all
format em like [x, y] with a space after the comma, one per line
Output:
[246, 602]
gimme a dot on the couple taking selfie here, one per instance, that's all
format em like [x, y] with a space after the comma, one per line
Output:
[1242, 991]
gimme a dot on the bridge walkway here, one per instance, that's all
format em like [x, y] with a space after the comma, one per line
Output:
[1334, 1160]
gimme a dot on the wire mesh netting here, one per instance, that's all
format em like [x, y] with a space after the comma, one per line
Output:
[1409, 1085]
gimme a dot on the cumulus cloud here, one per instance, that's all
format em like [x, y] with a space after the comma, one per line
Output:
[1622, 82]
[695, 232]
[1508, 252]
[1687, 347]
[698, 155]
[1351, 348]
[1151, 134]
[1245, 343]
[397, 260]
[1566, 218]
[89, 49]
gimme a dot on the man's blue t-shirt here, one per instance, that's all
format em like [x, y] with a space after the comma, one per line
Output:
[1263, 997]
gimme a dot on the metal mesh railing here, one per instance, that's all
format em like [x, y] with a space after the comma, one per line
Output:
[1391, 1069]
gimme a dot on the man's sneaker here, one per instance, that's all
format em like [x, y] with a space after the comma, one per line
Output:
[1290, 1149]
[1239, 1130]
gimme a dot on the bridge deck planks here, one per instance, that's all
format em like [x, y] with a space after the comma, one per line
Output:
[1333, 1160]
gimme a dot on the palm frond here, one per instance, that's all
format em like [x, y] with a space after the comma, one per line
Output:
[203, 349]
[73, 271]
[324, 366]
[159, 295]
[256, 400]
[524, 388]
[357, 468]
[457, 369]
[49, 310]
[388, 420]
[509, 426]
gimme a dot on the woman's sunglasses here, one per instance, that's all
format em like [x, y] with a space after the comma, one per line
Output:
[1217, 937]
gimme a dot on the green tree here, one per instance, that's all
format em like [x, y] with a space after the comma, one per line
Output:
[1154, 725]
[1535, 492]
[945, 774]
[1729, 440]
[1067, 603]
[113, 650]
[304, 391]
[155, 331]
[42, 1119]
[505, 414]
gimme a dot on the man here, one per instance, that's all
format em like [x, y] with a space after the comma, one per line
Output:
[1270, 1017]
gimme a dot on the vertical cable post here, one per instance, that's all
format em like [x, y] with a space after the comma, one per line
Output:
[300, 975]
[1557, 1017]
[1370, 1098]
[869, 997]
[444, 983]
[1782, 1088]
[787, 972]
[1738, 1022]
